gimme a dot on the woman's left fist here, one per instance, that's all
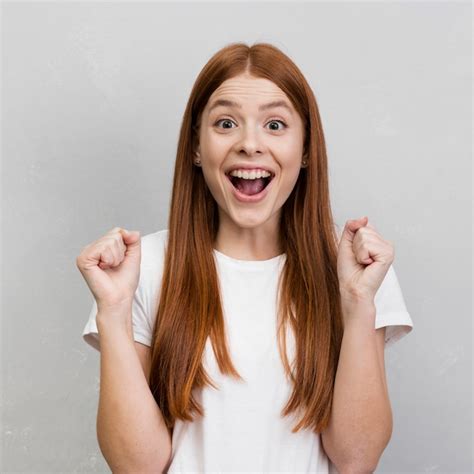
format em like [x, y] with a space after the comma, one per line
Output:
[363, 260]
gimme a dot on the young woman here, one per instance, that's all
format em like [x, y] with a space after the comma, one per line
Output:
[260, 328]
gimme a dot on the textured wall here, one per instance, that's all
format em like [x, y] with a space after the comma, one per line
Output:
[93, 95]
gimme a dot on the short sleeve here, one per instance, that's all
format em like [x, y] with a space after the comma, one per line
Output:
[140, 322]
[391, 310]
[145, 300]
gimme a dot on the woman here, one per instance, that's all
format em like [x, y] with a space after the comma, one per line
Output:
[260, 328]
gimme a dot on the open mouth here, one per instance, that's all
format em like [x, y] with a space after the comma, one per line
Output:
[250, 187]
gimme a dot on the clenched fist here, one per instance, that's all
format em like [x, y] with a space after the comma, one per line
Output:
[111, 268]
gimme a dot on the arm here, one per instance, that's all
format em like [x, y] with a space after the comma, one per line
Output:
[131, 431]
[360, 426]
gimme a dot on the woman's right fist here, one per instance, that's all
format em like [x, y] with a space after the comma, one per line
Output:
[111, 267]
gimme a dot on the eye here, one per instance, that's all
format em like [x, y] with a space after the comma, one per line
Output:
[278, 121]
[271, 121]
[224, 120]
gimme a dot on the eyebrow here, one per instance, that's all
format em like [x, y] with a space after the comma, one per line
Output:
[231, 103]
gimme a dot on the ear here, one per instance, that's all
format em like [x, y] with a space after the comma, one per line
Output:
[197, 155]
[304, 159]
[196, 147]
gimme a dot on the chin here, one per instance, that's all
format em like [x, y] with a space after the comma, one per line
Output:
[249, 218]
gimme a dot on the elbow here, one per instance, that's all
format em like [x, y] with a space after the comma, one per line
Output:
[134, 468]
[363, 461]
[354, 470]
[358, 469]
[353, 467]
[123, 458]
[154, 463]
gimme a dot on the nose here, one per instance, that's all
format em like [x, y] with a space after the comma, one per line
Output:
[250, 142]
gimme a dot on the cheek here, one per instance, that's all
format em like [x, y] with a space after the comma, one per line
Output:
[291, 161]
[214, 145]
[290, 180]
[213, 180]
[291, 170]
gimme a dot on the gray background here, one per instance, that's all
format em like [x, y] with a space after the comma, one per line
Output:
[92, 99]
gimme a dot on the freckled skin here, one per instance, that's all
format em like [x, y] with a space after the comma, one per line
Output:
[249, 231]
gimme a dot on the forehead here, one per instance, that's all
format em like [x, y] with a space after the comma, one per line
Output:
[248, 91]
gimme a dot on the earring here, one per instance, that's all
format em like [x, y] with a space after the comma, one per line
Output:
[197, 162]
[304, 163]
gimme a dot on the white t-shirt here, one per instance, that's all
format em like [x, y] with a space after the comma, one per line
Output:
[242, 430]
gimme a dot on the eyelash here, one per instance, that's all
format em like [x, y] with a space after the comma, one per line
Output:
[274, 120]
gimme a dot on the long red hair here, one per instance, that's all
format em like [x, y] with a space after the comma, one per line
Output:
[190, 306]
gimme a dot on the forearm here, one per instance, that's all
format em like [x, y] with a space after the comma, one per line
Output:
[131, 431]
[361, 418]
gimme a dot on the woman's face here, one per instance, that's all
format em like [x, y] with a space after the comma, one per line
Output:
[250, 135]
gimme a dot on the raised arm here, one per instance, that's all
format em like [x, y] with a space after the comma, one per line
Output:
[131, 431]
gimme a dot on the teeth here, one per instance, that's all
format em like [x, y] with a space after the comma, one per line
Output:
[250, 174]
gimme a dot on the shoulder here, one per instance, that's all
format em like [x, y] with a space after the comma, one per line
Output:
[155, 240]
[151, 274]
[153, 247]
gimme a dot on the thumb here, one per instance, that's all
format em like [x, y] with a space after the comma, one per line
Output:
[350, 229]
[132, 240]
[130, 236]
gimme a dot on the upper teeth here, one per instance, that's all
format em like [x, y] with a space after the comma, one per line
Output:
[250, 174]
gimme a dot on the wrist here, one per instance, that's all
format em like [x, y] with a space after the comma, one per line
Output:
[118, 319]
[360, 311]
